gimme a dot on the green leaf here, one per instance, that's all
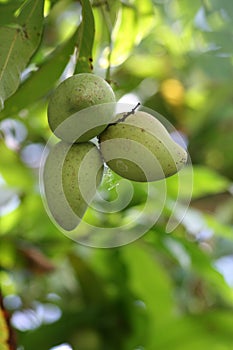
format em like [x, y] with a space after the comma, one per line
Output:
[42, 81]
[18, 43]
[182, 333]
[7, 12]
[205, 182]
[133, 24]
[90, 282]
[86, 39]
[219, 228]
[124, 35]
[146, 18]
[151, 285]
[31, 20]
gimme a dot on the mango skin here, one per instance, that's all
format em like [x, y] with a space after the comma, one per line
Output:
[71, 176]
[77, 93]
[141, 149]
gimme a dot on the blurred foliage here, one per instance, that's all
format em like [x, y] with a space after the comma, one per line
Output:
[164, 291]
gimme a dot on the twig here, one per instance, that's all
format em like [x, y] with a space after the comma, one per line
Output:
[125, 116]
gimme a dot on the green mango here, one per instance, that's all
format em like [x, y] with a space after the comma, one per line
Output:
[78, 93]
[70, 177]
[139, 148]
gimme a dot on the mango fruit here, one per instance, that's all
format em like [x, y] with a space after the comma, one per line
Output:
[71, 176]
[78, 93]
[139, 148]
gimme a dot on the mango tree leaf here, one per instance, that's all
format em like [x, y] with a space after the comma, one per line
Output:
[7, 12]
[182, 333]
[18, 43]
[151, 285]
[90, 282]
[106, 16]
[31, 20]
[111, 11]
[205, 182]
[133, 24]
[41, 81]
[146, 18]
[86, 39]
[124, 35]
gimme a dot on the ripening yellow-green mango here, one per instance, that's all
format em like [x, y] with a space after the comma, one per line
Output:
[139, 148]
[71, 176]
[88, 94]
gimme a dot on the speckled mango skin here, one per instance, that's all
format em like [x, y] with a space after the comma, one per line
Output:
[140, 149]
[74, 94]
[65, 184]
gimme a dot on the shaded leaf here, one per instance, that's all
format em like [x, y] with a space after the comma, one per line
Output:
[205, 182]
[134, 22]
[18, 43]
[86, 39]
[124, 35]
[41, 82]
[90, 282]
[7, 11]
[152, 286]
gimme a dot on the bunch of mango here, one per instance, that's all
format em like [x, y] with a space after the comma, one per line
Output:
[133, 144]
